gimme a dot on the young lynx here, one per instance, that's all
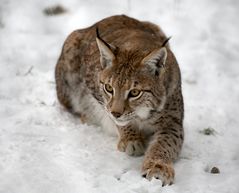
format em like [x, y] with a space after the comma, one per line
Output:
[121, 74]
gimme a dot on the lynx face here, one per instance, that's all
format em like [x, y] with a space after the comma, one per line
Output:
[131, 85]
[130, 98]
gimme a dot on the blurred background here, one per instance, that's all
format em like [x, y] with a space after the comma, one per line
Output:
[44, 149]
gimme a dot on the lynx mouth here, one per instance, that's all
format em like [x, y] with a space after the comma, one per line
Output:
[120, 122]
[124, 119]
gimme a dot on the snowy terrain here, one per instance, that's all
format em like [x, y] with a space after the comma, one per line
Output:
[45, 149]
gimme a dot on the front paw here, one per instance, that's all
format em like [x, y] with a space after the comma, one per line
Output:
[158, 170]
[131, 147]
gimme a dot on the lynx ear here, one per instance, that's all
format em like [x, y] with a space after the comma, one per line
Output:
[106, 53]
[155, 60]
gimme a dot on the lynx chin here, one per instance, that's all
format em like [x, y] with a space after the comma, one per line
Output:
[121, 74]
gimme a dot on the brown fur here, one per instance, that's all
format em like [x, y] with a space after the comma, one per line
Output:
[128, 55]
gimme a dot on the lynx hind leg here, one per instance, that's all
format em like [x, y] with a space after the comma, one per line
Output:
[65, 93]
[65, 96]
[68, 63]
[62, 87]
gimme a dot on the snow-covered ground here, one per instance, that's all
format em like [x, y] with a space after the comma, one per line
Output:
[45, 149]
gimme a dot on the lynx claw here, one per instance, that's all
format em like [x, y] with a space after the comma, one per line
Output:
[158, 170]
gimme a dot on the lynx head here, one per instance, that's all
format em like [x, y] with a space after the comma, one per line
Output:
[132, 83]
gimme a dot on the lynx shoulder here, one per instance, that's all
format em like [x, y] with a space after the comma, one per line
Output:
[121, 74]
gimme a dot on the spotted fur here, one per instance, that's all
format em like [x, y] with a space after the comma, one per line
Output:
[121, 74]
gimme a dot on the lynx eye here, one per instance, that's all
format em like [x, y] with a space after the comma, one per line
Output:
[108, 88]
[134, 93]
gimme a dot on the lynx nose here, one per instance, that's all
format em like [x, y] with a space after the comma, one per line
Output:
[116, 114]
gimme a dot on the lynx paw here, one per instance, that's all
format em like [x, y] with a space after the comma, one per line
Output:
[158, 170]
[132, 148]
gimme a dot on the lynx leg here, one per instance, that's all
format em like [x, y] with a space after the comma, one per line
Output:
[159, 170]
[157, 164]
[163, 150]
[131, 141]
[67, 66]
[62, 86]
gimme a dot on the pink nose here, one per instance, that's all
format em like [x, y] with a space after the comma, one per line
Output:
[116, 114]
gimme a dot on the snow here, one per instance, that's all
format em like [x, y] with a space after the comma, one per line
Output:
[45, 149]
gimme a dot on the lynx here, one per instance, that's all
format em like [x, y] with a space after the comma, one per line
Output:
[121, 74]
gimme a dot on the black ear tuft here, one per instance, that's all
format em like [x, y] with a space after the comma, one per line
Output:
[97, 32]
[98, 36]
[166, 41]
[106, 51]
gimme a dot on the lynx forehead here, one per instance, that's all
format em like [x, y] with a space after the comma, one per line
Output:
[121, 74]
